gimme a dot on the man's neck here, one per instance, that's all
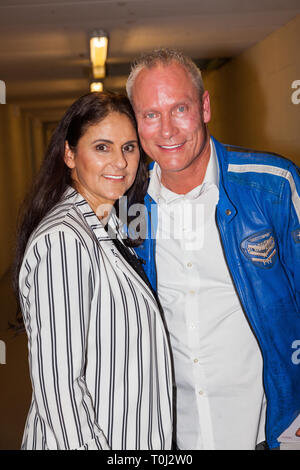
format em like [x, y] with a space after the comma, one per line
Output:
[182, 182]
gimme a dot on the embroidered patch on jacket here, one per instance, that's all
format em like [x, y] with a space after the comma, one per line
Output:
[260, 249]
[296, 235]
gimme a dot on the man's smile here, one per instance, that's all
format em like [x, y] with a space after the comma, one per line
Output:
[171, 147]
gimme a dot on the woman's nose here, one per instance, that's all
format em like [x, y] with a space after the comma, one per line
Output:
[120, 160]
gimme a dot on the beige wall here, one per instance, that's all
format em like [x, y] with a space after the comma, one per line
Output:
[251, 95]
[15, 390]
[20, 147]
[15, 173]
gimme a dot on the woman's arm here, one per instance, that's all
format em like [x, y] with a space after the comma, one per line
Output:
[56, 295]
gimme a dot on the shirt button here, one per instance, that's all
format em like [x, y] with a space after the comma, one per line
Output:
[228, 212]
[195, 361]
[192, 292]
[201, 392]
[189, 265]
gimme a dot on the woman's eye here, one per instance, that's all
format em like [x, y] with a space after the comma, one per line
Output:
[128, 148]
[101, 147]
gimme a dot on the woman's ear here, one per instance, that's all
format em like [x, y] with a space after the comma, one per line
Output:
[69, 157]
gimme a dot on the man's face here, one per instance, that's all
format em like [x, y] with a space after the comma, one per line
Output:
[171, 120]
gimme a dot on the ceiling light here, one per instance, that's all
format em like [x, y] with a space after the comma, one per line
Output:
[99, 71]
[98, 52]
[96, 86]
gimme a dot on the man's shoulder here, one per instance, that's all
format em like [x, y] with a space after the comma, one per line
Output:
[262, 170]
[247, 156]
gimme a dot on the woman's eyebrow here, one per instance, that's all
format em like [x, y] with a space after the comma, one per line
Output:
[111, 142]
[102, 140]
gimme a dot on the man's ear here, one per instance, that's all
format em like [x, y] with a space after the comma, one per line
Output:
[69, 157]
[206, 112]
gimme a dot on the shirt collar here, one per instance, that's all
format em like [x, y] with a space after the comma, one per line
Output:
[157, 191]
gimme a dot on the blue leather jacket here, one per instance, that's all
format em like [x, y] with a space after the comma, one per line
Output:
[258, 216]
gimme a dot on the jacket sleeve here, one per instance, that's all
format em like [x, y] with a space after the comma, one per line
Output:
[55, 289]
[289, 219]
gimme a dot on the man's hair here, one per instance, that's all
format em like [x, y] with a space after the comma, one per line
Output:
[164, 57]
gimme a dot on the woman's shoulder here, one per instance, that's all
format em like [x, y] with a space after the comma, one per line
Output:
[63, 218]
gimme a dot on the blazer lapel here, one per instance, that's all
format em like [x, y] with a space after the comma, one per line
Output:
[107, 245]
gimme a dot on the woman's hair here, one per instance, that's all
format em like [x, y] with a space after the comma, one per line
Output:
[54, 176]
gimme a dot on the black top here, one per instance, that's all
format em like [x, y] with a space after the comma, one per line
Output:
[133, 260]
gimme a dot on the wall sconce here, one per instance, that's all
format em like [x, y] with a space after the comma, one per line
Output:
[96, 86]
[98, 52]
[2, 92]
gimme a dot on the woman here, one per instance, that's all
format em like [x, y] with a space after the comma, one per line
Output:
[98, 352]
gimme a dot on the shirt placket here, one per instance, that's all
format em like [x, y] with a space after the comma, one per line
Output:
[192, 312]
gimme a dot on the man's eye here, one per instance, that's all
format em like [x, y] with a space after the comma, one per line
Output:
[150, 115]
[181, 108]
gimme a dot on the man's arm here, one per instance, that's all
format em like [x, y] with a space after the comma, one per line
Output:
[290, 222]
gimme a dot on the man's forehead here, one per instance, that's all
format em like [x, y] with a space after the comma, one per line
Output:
[170, 71]
[171, 80]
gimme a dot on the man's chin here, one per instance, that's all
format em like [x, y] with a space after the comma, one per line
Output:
[172, 167]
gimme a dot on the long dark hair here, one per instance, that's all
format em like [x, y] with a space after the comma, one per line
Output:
[54, 175]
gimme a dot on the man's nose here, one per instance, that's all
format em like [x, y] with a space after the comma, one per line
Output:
[168, 127]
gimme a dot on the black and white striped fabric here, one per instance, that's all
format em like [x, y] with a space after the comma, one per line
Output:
[98, 351]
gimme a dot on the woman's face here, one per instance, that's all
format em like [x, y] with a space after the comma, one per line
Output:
[105, 161]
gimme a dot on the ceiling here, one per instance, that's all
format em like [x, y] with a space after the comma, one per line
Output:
[44, 55]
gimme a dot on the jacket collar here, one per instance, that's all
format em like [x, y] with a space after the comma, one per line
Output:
[225, 207]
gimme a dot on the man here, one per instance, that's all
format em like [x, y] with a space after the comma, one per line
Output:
[229, 285]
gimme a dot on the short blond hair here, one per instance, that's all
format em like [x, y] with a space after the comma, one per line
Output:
[165, 57]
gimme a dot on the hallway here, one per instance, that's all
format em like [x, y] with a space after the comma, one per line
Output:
[252, 73]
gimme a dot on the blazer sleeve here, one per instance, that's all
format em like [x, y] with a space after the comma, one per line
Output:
[55, 289]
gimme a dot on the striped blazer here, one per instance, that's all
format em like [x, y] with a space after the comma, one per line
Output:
[98, 352]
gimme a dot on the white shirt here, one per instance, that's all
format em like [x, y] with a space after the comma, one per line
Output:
[98, 351]
[217, 361]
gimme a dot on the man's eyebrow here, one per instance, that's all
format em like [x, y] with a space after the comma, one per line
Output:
[148, 110]
[186, 99]
[155, 109]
